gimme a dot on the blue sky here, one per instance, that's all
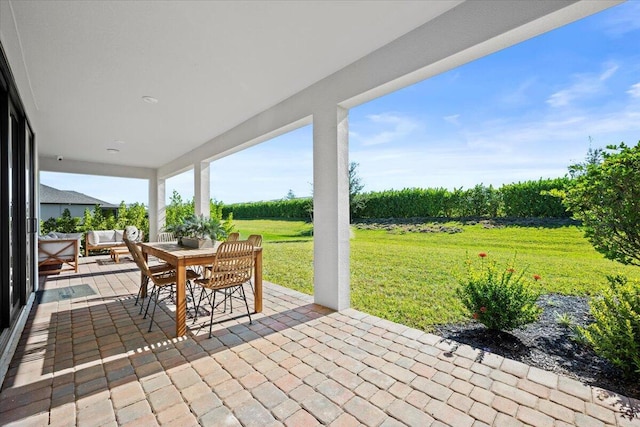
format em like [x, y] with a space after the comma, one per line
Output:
[523, 113]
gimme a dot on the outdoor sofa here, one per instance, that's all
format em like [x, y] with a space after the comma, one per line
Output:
[102, 239]
[58, 252]
[106, 239]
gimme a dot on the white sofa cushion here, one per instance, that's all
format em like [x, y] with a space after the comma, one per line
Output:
[54, 235]
[76, 236]
[106, 236]
[93, 237]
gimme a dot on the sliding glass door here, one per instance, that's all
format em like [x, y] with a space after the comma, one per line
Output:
[16, 211]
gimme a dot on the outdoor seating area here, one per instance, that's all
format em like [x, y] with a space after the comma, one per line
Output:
[58, 252]
[86, 358]
[97, 240]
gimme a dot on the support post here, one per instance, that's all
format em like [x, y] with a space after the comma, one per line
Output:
[331, 275]
[202, 188]
[157, 207]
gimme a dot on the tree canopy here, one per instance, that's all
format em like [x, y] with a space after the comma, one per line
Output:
[605, 196]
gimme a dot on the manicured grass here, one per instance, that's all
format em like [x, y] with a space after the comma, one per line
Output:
[411, 278]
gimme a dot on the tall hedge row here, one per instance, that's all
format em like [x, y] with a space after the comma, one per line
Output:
[520, 200]
[534, 199]
[289, 209]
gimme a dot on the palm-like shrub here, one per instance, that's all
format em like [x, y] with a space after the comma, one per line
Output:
[501, 299]
[198, 226]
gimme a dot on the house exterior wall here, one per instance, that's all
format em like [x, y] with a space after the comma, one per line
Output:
[55, 210]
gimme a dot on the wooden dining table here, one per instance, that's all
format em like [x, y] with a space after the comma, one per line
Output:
[182, 257]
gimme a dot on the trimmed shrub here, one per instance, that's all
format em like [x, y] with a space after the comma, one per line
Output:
[289, 209]
[501, 299]
[535, 199]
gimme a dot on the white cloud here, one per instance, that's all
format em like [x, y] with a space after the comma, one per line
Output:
[634, 90]
[401, 126]
[609, 72]
[453, 119]
[585, 85]
[623, 19]
[520, 95]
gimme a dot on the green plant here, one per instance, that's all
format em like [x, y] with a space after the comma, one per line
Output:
[216, 208]
[498, 298]
[564, 320]
[605, 196]
[198, 226]
[615, 332]
[178, 210]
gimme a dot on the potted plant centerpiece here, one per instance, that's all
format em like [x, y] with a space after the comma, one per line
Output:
[198, 231]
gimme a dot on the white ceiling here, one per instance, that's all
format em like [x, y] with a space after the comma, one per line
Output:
[211, 65]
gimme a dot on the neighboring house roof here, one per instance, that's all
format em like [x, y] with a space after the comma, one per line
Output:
[50, 195]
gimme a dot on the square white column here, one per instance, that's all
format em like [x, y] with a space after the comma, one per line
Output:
[331, 275]
[202, 188]
[157, 207]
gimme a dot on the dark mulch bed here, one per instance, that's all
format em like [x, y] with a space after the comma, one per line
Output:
[548, 345]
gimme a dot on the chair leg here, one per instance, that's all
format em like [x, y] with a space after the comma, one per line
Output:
[244, 297]
[153, 291]
[251, 284]
[153, 313]
[143, 285]
[202, 293]
[212, 309]
[190, 286]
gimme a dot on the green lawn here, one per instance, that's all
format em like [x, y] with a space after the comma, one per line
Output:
[411, 278]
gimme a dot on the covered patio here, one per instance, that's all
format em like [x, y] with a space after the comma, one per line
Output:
[86, 358]
[148, 90]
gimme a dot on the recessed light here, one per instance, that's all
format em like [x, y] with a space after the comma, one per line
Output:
[150, 99]
[112, 150]
[118, 141]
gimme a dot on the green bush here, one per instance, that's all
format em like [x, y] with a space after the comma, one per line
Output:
[289, 209]
[500, 299]
[535, 199]
[178, 211]
[606, 198]
[615, 333]
[63, 224]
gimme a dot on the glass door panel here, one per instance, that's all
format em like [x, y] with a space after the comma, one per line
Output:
[14, 144]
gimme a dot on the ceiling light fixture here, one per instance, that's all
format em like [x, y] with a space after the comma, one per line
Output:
[112, 150]
[150, 99]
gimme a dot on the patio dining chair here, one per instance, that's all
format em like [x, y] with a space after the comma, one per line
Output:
[255, 239]
[164, 279]
[233, 237]
[230, 270]
[138, 258]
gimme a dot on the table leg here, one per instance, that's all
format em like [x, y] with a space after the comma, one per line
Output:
[257, 286]
[181, 301]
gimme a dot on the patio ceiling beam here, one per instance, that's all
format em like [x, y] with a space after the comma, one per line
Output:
[52, 164]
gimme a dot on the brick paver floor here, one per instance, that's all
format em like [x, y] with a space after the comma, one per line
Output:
[86, 358]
